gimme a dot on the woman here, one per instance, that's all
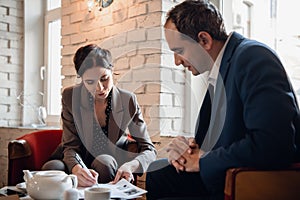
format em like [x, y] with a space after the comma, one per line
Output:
[95, 116]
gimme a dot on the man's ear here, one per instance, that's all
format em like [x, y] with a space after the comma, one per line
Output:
[205, 40]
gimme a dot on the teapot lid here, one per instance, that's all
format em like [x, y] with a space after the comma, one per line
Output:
[50, 173]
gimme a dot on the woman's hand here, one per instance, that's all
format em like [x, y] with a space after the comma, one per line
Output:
[85, 177]
[126, 171]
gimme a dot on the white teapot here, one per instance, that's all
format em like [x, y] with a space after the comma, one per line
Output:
[50, 184]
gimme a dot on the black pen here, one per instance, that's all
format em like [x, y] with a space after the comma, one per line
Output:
[79, 160]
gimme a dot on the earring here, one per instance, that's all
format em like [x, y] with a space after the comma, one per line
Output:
[78, 79]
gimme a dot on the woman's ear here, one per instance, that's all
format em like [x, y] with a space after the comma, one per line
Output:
[205, 40]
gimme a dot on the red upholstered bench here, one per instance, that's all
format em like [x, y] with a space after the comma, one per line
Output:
[30, 152]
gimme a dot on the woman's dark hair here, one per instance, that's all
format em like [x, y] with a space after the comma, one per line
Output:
[90, 56]
[192, 16]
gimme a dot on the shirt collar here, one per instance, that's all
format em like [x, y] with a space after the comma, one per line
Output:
[213, 75]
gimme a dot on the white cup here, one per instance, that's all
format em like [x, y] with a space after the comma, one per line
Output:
[93, 193]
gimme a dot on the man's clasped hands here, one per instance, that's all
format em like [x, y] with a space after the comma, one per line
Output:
[184, 154]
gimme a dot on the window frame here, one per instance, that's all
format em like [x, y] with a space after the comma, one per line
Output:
[45, 71]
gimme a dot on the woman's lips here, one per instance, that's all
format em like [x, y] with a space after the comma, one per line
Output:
[100, 94]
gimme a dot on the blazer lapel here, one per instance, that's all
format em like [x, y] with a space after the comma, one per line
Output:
[87, 127]
[83, 116]
[116, 117]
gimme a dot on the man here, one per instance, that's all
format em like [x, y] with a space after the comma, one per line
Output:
[249, 116]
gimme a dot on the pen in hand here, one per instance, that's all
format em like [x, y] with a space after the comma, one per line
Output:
[79, 160]
[77, 157]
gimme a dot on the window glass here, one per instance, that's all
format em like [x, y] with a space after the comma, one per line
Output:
[52, 4]
[51, 70]
[54, 67]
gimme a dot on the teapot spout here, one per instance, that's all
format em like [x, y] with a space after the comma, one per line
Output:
[27, 175]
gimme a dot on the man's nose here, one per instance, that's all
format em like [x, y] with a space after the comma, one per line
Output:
[177, 59]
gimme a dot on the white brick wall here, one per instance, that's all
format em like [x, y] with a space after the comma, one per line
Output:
[11, 61]
[133, 32]
[131, 29]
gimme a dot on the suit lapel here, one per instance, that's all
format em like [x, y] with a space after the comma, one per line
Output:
[233, 42]
[217, 118]
[203, 119]
[218, 111]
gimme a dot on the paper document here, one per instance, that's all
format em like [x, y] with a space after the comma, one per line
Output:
[122, 189]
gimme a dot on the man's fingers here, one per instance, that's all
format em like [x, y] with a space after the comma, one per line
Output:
[174, 155]
[180, 140]
[177, 145]
[177, 166]
[192, 142]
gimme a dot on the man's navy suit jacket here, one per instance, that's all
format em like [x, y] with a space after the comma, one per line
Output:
[254, 114]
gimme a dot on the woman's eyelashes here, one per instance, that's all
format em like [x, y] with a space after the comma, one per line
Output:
[91, 81]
